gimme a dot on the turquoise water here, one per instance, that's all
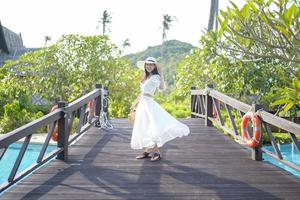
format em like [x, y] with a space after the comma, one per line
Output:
[30, 157]
[289, 153]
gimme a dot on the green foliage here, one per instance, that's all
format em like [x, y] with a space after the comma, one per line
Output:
[10, 91]
[74, 125]
[71, 67]
[249, 55]
[266, 34]
[194, 69]
[177, 110]
[290, 97]
[15, 106]
[255, 52]
[174, 105]
[16, 116]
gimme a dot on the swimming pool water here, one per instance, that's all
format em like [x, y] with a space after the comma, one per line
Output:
[30, 157]
[289, 153]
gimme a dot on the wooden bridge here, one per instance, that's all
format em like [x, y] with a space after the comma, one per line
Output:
[207, 164]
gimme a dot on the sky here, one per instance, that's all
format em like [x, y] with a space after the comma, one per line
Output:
[138, 20]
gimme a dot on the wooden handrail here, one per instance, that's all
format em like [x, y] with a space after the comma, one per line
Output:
[197, 92]
[279, 122]
[63, 117]
[28, 129]
[230, 101]
[201, 101]
[78, 103]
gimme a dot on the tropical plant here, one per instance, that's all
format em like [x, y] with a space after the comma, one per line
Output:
[263, 30]
[47, 38]
[290, 97]
[126, 43]
[167, 20]
[70, 68]
[267, 33]
[15, 116]
[105, 20]
[251, 54]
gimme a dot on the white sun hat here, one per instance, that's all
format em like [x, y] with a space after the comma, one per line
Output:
[149, 60]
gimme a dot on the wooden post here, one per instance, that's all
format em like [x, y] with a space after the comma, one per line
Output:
[63, 133]
[208, 106]
[98, 100]
[256, 153]
[193, 102]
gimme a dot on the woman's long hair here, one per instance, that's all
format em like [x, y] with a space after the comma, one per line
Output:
[147, 74]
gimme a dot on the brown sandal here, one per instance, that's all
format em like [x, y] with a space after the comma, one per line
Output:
[155, 157]
[144, 155]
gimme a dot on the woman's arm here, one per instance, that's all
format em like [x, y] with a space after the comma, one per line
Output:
[136, 101]
[162, 81]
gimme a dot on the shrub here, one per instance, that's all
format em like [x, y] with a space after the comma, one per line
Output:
[16, 116]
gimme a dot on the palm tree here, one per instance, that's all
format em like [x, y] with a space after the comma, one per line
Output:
[126, 43]
[214, 9]
[104, 21]
[47, 38]
[167, 20]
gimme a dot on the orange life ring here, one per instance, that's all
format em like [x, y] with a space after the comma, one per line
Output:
[255, 140]
[90, 106]
[54, 134]
[214, 111]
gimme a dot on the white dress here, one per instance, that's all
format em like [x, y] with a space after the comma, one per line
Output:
[153, 125]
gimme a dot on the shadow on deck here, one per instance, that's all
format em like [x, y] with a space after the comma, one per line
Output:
[204, 165]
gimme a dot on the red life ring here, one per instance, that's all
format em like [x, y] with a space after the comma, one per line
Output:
[255, 140]
[54, 134]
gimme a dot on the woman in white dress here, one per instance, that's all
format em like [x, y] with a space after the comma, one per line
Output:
[153, 126]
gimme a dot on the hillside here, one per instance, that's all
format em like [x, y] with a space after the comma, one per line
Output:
[169, 54]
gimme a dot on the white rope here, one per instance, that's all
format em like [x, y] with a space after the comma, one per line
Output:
[103, 121]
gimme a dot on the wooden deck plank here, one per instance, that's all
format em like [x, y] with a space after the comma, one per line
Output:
[205, 165]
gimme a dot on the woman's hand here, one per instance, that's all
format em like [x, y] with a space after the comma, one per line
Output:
[162, 81]
[160, 69]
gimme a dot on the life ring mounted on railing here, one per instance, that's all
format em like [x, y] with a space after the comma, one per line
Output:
[214, 110]
[257, 133]
[54, 134]
[90, 104]
[90, 107]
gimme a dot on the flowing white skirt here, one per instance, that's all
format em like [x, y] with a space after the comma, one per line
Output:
[154, 126]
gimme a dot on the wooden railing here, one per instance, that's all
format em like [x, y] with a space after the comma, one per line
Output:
[62, 120]
[211, 105]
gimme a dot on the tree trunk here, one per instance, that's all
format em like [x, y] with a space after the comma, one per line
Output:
[214, 4]
[103, 29]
